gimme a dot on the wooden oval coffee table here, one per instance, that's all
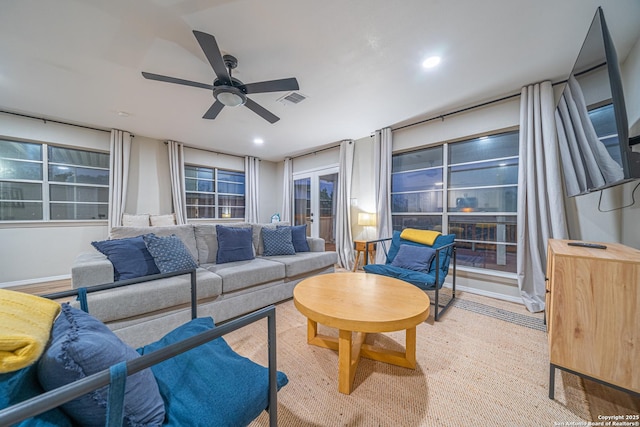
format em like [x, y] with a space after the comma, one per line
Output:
[361, 303]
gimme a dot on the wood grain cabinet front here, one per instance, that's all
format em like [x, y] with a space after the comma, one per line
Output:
[593, 313]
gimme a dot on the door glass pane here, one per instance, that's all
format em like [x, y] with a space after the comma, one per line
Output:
[302, 203]
[328, 193]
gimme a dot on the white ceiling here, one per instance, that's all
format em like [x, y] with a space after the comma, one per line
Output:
[358, 61]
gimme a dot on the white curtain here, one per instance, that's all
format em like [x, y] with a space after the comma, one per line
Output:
[287, 184]
[176, 170]
[119, 157]
[586, 163]
[541, 210]
[252, 180]
[383, 150]
[344, 242]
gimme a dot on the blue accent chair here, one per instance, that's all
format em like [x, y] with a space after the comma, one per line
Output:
[426, 279]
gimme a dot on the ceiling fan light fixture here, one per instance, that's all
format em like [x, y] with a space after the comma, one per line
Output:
[230, 96]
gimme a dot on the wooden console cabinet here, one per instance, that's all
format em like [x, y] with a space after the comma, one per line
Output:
[593, 313]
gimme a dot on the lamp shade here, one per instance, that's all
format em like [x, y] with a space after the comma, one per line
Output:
[366, 219]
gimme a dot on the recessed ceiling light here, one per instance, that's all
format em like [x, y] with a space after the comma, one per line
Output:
[431, 62]
[123, 114]
[258, 141]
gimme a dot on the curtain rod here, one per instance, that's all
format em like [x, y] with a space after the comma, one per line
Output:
[331, 147]
[210, 151]
[462, 110]
[56, 121]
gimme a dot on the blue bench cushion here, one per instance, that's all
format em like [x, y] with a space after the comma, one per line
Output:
[210, 385]
[420, 279]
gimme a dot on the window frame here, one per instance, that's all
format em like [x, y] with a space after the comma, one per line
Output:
[447, 214]
[216, 193]
[45, 183]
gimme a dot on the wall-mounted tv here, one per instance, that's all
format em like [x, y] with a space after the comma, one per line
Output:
[591, 118]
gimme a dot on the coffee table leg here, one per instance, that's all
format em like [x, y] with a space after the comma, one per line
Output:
[410, 347]
[312, 330]
[345, 376]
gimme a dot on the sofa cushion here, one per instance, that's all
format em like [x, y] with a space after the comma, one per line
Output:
[277, 241]
[169, 253]
[129, 256]
[305, 262]
[210, 385]
[142, 298]
[299, 237]
[234, 244]
[81, 346]
[244, 274]
[207, 242]
[184, 232]
[23, 384]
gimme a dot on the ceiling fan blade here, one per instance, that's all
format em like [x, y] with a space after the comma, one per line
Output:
[261, 111]
[167, 79]
[273, 86]
[211, 50]
[213, 111]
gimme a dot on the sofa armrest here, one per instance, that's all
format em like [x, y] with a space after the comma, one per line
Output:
[91, 268]
[316, 244]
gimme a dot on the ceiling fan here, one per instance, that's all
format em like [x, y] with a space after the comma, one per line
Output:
[227, 90]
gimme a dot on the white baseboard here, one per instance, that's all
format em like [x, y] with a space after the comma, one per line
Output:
[34, 281]
[489, 294]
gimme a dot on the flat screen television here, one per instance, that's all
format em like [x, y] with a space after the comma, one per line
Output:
[591, 118]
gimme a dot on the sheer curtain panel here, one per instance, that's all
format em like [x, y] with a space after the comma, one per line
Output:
[252, 178]
[383, 151]
[541, 209]
[344, 241]
[120, 155]
[176, 170]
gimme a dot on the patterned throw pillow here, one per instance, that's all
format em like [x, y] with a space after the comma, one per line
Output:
[277, 242]
[169, 253]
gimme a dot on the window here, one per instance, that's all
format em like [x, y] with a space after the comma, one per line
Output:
[41, 182]
[468, 188]
[214, 193]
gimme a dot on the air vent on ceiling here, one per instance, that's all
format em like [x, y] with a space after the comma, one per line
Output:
[292, 98]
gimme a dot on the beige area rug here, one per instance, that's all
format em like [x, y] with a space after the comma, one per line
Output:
[473, 369]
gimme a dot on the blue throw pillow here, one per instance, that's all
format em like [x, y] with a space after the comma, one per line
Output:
[130, 257]
[234, 244]
[416, 258]
[277, 241]
[298, 237]
[169, 253]
[210, 385]
[81, 346]
[441, 240]
[21, 385]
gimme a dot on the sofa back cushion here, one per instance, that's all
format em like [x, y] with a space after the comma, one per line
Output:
[183, 232]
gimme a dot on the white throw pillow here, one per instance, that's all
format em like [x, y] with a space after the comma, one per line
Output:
[141, 220]
[162, 220]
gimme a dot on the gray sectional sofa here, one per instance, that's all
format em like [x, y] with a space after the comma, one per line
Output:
[144, 312]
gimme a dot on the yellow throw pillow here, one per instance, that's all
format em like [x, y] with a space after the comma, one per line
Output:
[25, 326]
[426, 237]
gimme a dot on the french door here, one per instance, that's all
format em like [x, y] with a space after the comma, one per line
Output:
[314, 203]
